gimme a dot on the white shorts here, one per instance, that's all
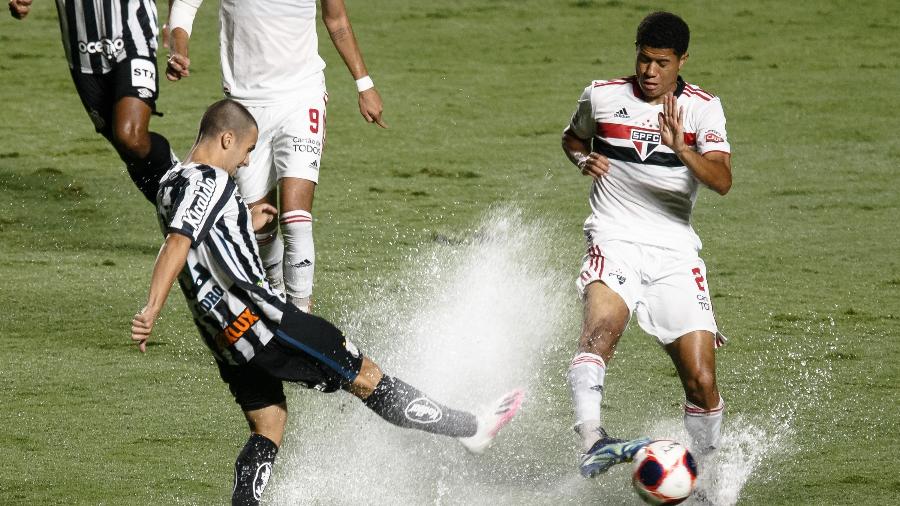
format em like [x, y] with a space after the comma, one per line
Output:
[666, 289]
[290, 144]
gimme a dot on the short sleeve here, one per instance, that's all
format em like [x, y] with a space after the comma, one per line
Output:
[711, 134]
[582, 124]
[201, 204]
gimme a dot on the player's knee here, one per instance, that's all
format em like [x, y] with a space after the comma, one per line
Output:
[701, 390]
[368, 378]
[132, 139]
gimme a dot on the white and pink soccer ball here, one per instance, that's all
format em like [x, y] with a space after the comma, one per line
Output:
[664, 472]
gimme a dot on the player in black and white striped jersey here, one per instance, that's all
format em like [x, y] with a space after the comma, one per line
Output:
[111, 49]
[259, 340]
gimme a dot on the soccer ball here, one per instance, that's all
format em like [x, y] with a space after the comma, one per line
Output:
[664, 472]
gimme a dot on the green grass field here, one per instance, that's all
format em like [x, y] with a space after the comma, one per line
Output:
[802, 257]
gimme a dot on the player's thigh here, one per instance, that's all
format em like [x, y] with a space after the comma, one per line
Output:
[311, 351]
[610, 287]
[257, 180]
[297, 150]
[677, 299]
[97, 94]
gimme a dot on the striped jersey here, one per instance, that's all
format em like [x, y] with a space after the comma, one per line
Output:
[649, 194]
[223, 279]
[97, 34]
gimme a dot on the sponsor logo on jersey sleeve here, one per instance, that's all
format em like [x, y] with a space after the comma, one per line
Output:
[713, 136]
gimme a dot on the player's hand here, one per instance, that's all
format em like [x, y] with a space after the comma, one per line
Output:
[594, 165]
[141, 326]
[370, 107]
[19, 8]
[671, 124]
[261, 215]
[177, 67]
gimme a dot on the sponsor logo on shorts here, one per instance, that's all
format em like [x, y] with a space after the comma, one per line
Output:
[703, 300]
[143, 74]
[307, 145]
[645, 141]
[261, 479]
[423, 410]
[97, 120]
[236, 329]
[144, 93]
[109, 48]
[618, 275]
[713, 136]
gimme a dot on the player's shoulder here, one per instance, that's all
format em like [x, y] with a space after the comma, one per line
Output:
[614, 83]
[697, 93]
[605, 88]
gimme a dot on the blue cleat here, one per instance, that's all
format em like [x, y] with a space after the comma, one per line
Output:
[607, 452]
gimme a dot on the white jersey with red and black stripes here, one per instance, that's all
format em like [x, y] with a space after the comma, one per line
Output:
[648, 195]
[223, 280]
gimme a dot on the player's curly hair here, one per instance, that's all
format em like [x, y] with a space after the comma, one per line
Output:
[663, 30]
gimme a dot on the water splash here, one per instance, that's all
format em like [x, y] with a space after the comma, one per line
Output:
[470, 318]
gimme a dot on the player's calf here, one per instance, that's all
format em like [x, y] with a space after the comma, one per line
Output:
[299, 257]
[252, 470]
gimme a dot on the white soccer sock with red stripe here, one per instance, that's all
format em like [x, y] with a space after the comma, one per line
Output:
[299, 257]
[585, 376]
[271, 251]
[704, 425]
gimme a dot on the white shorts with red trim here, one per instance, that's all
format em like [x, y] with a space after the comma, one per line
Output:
[665, 289]
[290, 144]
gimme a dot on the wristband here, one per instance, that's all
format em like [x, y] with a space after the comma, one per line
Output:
[364, 83]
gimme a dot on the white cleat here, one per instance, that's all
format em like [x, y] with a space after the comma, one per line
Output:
[492, 420]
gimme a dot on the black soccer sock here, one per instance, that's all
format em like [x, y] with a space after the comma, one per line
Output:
[147, 172]
[252, 470]
[405, 406]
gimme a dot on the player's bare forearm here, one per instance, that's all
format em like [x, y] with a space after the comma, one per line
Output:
[579, 153]
[334, 15]
[178, 64]
[169, 262]
[712, 169]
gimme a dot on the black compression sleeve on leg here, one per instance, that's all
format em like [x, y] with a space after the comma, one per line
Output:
[147, 172]
[405, 406]
[252, 470]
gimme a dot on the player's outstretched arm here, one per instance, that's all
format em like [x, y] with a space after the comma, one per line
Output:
[712, 169]
[169, 262]
[334, 15]
[19, 8]
[180, 24]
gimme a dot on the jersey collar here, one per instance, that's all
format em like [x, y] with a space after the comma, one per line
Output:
[636, 88]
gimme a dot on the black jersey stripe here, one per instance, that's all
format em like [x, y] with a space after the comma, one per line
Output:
[92, 33]
[627, 154]
[144, 19]
[252, 258]
[217, 207]
[72, 30]
[127, 36]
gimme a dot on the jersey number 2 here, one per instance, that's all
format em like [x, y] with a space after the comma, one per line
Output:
[699, 278]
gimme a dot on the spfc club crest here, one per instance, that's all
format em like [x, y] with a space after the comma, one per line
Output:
[645, 141]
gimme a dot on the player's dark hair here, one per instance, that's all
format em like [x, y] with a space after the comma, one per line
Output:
[226, 114]
[663, 30]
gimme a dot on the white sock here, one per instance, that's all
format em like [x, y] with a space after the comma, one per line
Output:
[271, 250]
[585, 376]
[704, 425]
[299, 257]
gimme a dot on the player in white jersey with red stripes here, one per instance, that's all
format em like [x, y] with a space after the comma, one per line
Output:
[271, 65]
[649, 142]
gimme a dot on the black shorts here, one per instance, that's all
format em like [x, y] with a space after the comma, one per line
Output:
[133, 77]
[306, 349]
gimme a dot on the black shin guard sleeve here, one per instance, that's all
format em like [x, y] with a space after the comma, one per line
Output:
[147, 172]
[405, 406]
[252, 470]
